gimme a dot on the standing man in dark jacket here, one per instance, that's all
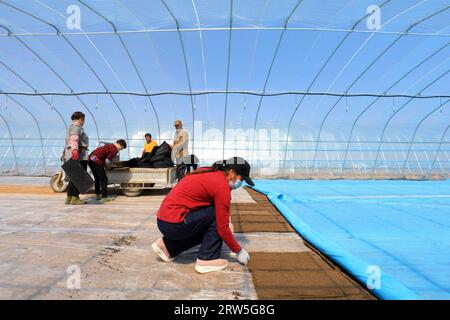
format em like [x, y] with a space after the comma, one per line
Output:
[76, 148]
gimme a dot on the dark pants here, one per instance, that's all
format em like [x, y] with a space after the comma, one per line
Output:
[72, 191]
[198, 227]
[101, 179]
[189, 166]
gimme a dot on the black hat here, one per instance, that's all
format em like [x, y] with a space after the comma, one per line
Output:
[241, 167]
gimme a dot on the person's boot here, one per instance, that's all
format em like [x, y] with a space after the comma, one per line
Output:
[205, 266]
[106, 199]
[76, 201]
[68, 198]
[160, 249]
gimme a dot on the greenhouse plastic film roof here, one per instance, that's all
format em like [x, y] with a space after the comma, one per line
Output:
[294, 86]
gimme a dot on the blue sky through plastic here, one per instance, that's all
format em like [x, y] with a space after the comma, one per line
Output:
[326, 47]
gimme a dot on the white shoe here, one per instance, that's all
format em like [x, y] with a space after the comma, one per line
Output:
[157, 249]
[205, 266]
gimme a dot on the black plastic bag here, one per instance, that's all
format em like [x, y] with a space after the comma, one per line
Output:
[160, 157]
[78, 176]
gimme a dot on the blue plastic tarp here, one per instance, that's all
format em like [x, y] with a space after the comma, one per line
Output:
[393, 236]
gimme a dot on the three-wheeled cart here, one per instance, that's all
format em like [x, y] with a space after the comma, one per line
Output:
[133, 181]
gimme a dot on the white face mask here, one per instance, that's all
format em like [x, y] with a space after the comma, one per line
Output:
[236, 184]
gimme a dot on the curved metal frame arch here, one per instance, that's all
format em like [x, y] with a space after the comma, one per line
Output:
[56, 74]
[438, 150]
[152, 44]
[59, 77]
[21, 78]
[251, 93]
[252, 64]
[186, 67]
[208, 29]
[131, 60]
[228, 79]
[361, 75]
[270, 69]
[34, 89]
[309, 53]
[415, 132]
[12, 143]
[398, 110]
[378, 98]
[92, 70]
[44, 161]
[288, 130]
[317, 76]
[86, 34]
[205, 79]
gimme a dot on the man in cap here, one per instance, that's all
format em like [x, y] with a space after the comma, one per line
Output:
[180, 141]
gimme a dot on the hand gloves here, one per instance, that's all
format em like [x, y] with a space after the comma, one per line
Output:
[75, 155]
[243, 256]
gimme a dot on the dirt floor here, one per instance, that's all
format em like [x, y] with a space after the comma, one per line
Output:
[23, 189]
[257, 218]
[46, 190]
[42, 237]
[105, 249]
[292, 275]
[261, 216]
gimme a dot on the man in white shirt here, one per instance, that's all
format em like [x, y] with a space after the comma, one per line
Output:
[180, 141]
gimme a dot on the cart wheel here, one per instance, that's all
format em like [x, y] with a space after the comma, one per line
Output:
[132, 192]
[57, 184]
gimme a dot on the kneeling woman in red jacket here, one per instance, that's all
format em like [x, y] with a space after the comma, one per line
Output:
[197, 211]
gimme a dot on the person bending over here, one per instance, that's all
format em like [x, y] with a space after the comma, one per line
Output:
[197, 211]
[97, 161]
